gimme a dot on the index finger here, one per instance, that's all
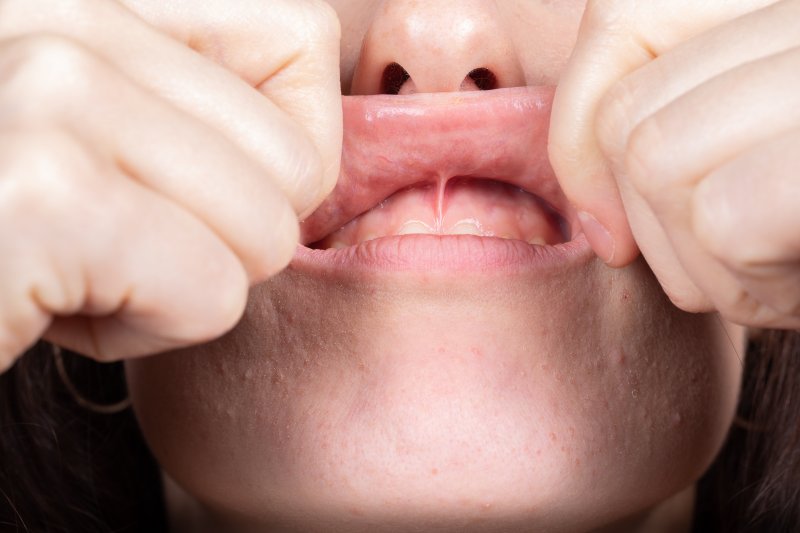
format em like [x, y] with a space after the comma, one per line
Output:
[615, 39]
[287, 49]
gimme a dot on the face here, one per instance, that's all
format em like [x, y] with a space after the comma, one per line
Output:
[398, 376]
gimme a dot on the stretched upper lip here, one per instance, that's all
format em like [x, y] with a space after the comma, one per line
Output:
[393, 142]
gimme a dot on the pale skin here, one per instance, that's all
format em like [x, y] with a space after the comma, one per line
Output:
[345, 403]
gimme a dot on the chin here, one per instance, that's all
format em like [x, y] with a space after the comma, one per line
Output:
[444, 353]
[499, 399]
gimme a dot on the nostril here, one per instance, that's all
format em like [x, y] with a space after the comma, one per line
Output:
[394, 77]
[483, 78]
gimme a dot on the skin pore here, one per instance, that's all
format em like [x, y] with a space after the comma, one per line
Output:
[569, 399]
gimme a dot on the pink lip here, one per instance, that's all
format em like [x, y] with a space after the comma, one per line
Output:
[448, 254]
[393, 142]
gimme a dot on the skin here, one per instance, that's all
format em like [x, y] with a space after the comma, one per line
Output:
[572, 400]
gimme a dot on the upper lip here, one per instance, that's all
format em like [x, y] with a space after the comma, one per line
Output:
[393, 142]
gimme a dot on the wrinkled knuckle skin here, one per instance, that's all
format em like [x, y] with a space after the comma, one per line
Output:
[51, 72]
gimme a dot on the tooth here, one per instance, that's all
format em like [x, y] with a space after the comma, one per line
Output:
[538, 241]
[338, 245]
[413, 227]
[369, 237]
[467, 227]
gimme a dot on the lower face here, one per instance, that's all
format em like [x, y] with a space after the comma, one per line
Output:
[442, 382]
[492, 402]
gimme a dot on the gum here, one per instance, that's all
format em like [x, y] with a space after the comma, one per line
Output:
[458, 206]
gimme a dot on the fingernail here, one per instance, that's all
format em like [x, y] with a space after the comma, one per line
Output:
[598, 236]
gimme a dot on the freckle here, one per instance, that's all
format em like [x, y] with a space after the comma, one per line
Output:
[571, 431]
[553, 437]
[477, 352]
[577, 462]
[564, 449]
[538, 452]
[434, 471]
[620, 358]
[441, 350]
[626, 296]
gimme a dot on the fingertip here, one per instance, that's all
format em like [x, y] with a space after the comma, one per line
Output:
[598, 236]
[616, 247]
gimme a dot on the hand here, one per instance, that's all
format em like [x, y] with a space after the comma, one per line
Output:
[688, 114]
[154, 158]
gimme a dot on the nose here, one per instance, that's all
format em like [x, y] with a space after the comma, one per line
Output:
[437, 46]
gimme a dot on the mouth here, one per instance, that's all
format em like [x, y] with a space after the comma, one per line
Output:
[427, 177]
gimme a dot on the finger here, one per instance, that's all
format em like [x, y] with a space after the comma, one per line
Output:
[745, 213]
[634, 98]
[165, 149]
[614, 40]
[670, 151]
[303, 82]
[77, 239]
[229, 103]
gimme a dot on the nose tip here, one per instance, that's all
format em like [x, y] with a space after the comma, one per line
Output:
[436, 46]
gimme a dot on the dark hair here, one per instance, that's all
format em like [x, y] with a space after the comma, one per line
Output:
[754, 484]
[66, 469]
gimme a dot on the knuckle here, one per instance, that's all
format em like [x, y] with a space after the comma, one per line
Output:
[307, 24]
[51, 71]
[39, 173]
[317, 21]
[607, 14]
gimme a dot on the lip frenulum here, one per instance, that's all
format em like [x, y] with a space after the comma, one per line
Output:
[393, 143]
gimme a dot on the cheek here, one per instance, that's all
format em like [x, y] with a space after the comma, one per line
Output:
[507, 400]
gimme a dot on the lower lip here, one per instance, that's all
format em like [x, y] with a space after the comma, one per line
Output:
[443, 254]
